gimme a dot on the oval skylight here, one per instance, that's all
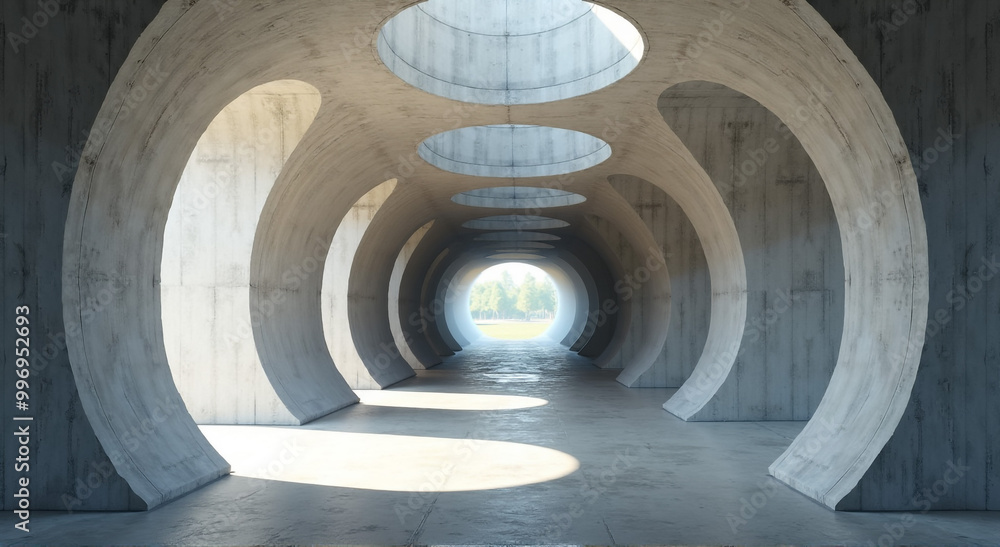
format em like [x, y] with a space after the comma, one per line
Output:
[509, 51]
[518, 197]
[515, 222]
[512, 151]
[517, 236]
[516, 256]
[514, 246]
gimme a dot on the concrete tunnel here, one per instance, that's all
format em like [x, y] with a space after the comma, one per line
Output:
[293, 220]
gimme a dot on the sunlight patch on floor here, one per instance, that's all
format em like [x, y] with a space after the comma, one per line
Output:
[398, 463]
[446, 401]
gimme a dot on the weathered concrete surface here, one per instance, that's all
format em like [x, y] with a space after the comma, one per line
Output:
[49, 103]
[630, 309]
[205, 272]
[938, 65]
[690, 288]
[791, 245]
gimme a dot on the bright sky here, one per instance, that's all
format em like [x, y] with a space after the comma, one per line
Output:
[516, 269]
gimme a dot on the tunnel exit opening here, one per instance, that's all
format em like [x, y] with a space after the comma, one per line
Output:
[513, 301]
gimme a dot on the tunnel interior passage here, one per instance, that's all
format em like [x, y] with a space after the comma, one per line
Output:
[307, 230]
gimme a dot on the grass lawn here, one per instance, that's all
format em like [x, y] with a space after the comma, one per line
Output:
[513, 330]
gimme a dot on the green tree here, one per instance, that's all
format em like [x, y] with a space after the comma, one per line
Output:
[509, 290]
[495, 298]
[505, 299]
[478, 300]
[547, 297]
[527, 297]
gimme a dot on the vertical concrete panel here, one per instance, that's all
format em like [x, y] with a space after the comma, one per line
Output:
[791, 247]
[208, 239]
[689, 281]
[937, 66]
[625, 256]
[52, 88]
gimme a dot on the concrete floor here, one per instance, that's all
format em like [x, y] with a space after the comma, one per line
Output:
[569, 455]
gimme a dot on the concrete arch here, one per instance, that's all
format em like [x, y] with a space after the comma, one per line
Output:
[123, 352]
[430, 307]
[593, 335]
[839, 116]
[613, 317]
[396, 297]
[410, 290]
[440, 296]
[646, 282]
[456, 320]
[337, 297]
[791, 246]
[691, 294]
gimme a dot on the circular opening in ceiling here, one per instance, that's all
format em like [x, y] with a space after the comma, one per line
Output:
[517, 236]
[517, 246]
[515, 222]
[518, 197]
[516, 256]
[511, 151]
[509, 51]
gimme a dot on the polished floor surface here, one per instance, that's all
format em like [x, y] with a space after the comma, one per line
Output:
[505, 443]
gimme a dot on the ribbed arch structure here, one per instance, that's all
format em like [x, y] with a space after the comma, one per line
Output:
[369, 129]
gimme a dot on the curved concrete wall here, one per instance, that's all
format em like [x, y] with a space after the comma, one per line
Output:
[846, 425]
[791, 242]
[459, 280]
[411, 291]
[598, 327]
[399, 333]
[613, 323]
[440, 296]
[336, 293]
[572, 302]
[430, 306]
[691, 292]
